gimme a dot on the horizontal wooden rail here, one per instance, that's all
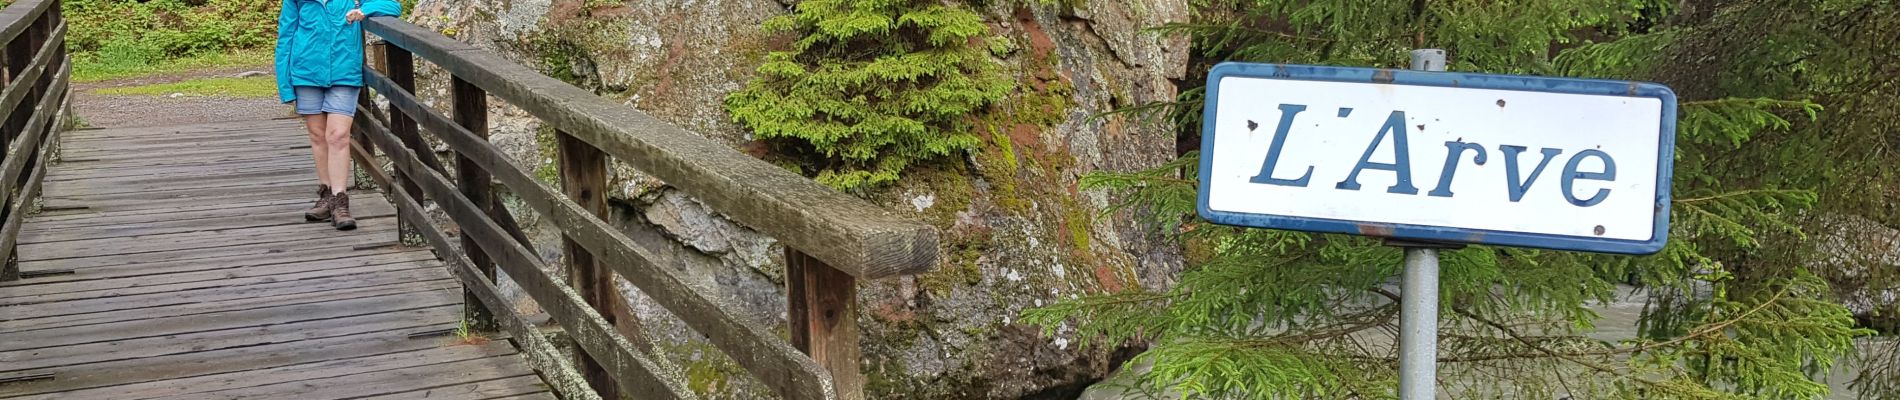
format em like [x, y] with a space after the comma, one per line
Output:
[21, 85]
[848, 233]
[17, 17]
[640, 375]
[772, 360]
[16, 161]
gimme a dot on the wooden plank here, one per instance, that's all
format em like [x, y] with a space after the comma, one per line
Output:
[179, 198]
[823, 313]
[202, 221]
[535, 396]
[394, 339]
[500, 388]
[180, 283]
[228, 276]
[149, 301]
[213, 128]
[539, 351]
[296, 372]
[247, 131]
[190, 153]
[181, 165]
[185, 240]
[373, 384]
[636, 373]
[647, 264]
[184, 171]
[255, 249]
[236, 181]
[221, 321]
[29, 360]
[259, 140]
[855, 236]
[115, 217]
[262, 300]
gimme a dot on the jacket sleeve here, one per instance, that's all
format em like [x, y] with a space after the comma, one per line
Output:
[286, 18]
[381, 8]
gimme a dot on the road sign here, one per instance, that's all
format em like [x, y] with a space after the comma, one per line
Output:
[1557, 163]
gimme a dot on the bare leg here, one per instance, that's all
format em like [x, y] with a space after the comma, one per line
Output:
[337, 143]
[316, 124]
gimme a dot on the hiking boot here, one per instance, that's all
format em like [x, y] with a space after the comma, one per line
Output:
[320, 211]
[340, 212]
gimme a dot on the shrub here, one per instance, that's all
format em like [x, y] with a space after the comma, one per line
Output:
[874, 86]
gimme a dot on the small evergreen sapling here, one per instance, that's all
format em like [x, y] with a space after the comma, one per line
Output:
[874, 85]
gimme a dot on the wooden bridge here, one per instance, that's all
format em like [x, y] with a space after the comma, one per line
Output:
[174, 262]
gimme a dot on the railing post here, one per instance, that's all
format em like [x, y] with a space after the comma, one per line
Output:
[471, 112]
[583, 178]
[401, 69]
[373, 59]
[823, 312]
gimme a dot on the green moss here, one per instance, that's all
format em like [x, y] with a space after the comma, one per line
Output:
[546, 169]
[960, 270]
[1078, 221]
[709, 373]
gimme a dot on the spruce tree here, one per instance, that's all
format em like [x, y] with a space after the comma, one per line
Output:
[872, 86]
[1778, 134]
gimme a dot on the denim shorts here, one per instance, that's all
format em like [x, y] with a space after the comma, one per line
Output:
[339, 100]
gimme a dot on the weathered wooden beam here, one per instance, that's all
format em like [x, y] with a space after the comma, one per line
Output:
[15, 220]
[849, 233]
[470, 105]
[17, 17]
[21, 151]
[773, 361]
[501, 214]
[635, 373]
[540, 353]
[584, 178]
[25, 81]
[822, 309]
[401, 67]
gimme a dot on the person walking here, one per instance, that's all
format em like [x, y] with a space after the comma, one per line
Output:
[319, 60]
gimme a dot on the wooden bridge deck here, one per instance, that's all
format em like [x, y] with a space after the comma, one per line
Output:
[195, 276]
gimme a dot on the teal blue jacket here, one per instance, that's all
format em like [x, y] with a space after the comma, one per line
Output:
[317, 46]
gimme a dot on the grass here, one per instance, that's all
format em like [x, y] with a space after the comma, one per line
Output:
[256, 86]
[94, 67]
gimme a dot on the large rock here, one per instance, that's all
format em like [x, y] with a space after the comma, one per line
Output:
[1018, 232]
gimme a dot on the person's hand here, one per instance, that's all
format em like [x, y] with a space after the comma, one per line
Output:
[354, 16]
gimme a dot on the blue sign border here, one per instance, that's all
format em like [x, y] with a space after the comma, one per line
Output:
[1665, 158]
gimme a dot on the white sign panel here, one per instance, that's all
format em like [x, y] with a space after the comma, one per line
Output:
[1447, 157]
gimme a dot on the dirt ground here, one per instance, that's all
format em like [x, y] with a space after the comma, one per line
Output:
[109, 111]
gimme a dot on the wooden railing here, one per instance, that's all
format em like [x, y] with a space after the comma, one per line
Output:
[832, 239]
[37, 77]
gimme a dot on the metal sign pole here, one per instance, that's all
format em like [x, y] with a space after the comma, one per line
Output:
[1418, 306]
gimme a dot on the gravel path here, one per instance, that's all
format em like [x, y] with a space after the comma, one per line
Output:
[108, 111]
